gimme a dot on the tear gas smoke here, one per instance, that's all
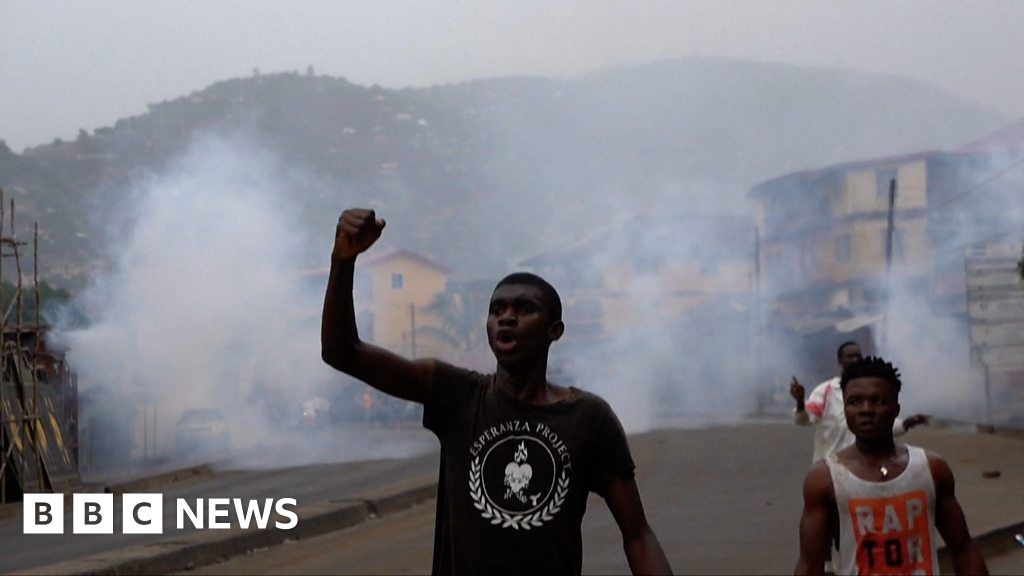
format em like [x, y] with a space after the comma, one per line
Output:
[929, 340]
[204, 307]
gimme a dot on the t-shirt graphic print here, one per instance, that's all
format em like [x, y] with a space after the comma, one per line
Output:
[893, 534]
[517, 478]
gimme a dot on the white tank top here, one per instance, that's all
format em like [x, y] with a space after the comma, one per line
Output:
[886, 527]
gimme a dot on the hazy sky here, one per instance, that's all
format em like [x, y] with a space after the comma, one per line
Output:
[66, 65]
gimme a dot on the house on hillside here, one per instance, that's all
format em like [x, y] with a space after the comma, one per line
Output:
[392, 292]
[394, 296]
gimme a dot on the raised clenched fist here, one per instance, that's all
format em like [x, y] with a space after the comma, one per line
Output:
[357, 230]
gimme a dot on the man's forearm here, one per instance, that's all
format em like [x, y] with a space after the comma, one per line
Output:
[968, 560]
[805, 568]
[338, 333]
[645, 555]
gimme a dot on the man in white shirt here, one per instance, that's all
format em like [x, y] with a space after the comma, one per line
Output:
[824, 409]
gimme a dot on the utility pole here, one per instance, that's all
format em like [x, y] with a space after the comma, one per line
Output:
[758, 328]
[890, 230]
[412, 332]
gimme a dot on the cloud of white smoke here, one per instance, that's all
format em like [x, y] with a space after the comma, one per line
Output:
[204, 307]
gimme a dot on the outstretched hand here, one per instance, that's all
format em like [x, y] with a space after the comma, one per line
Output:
[916, 420]
[796, 390]
[357, 230]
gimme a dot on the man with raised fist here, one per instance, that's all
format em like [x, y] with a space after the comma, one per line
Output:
[519, 454]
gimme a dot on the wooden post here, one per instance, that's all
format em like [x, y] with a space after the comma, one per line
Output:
[890, 228]
[17, 267]
[3, 415]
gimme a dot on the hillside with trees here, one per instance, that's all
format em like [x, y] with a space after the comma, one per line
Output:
[482, 173]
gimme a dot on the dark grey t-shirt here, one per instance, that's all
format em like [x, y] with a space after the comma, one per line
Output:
[514, 477]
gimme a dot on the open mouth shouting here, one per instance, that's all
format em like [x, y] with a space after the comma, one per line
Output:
[505, 340]
[866, 425]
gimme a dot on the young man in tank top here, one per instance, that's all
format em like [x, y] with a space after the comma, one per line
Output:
[886, 501]
[519, 455]
[824, 408]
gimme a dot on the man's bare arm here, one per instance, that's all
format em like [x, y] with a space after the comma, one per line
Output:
[796, 390]
[815, 523]
[643, 551]
[340, 345]
[949, 520]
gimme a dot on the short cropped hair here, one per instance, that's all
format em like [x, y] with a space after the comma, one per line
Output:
[554, 303]
[839, 351]
[872, 367]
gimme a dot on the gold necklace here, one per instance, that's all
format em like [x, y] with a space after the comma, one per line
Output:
[884, 468]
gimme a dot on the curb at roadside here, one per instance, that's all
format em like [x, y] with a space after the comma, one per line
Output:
[171, 477]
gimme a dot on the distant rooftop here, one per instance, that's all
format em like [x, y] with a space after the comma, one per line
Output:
[374, 259]
[670, 235]
[378, 258]
[1009, 139]
[845, 167]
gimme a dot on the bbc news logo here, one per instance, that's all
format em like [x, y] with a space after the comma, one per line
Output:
[143, 513]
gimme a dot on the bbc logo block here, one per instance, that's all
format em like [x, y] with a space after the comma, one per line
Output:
[43, 514]
[142, 514]
[92, 514]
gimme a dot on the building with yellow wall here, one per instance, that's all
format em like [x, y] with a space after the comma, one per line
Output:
[824, 236]
[824, 233]
[392, 293]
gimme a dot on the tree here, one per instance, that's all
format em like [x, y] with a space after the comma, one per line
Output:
[55, 305]
[462, 313]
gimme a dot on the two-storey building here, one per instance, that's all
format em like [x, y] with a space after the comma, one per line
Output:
[393, 290]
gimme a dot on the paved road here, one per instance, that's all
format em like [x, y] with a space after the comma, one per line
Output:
[371, 548]
[1010, 564]
[722, 500]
